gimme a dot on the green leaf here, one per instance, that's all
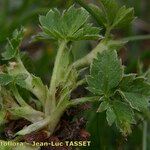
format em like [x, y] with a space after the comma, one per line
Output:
[136, 91]
[74, 19]
[10, 52]
[110, 15]
[20, 80]
[86, 33]
[114, 16]
[98, 14]
[106, 73]
[13, 45]
[103, 106]
[123, 17]
[109, 10]
[124, 116]
[110, 116]
[121, 114]
[71, 25]
[137, 101]
[5, 79]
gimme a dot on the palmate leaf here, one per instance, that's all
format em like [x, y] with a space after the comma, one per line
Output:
[106, 79]
[118, 112]
[71, 25]
[136, 91]
[111, 15]
[12, 47]
[116, 16]
[106, 73]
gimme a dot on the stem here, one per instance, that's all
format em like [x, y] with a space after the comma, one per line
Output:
[136, 38]
[54, 79]
[33, 84]
[81, 82]
[56, 65]
[107, 33]
[144, 144]
[57, 114]
[82, 100]
[104, 45]
[50, 121]
[18, 97]
[86, 60]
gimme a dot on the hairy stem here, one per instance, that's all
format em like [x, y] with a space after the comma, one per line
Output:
[18, 97]
[137, 38]
[32, 83]
[53, 84]
[104, 45]
[86, 60]
[50, 121]
[83, 100]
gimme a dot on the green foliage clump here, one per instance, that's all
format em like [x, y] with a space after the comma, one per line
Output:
[123, 96]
